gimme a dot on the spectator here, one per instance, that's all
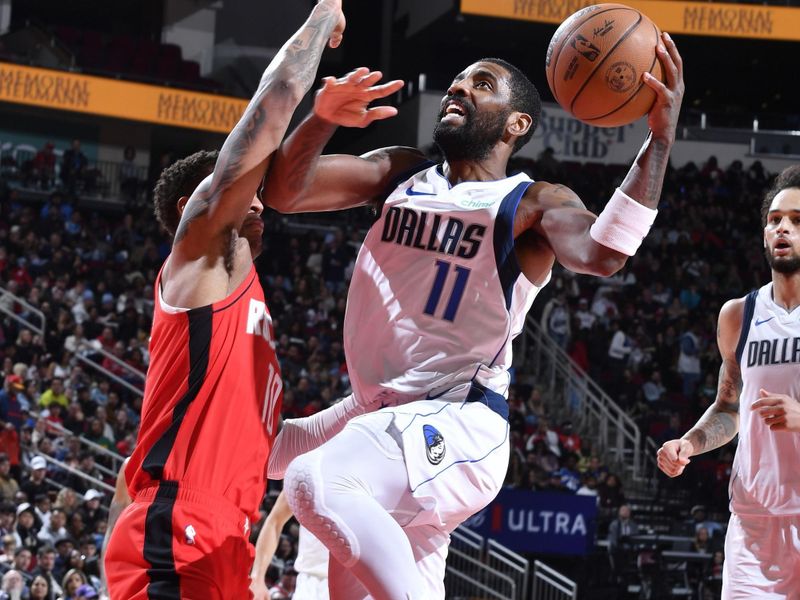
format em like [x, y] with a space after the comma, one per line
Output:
[570, 441]
[546, 436]
[43, 167]
[588, 486]
[27, 529]
[12, 401]
[653, 390]
[129, 176]
[13, 585]
[54, 394]
[8, 485]
[569, 477]
[42, 589]
[71, 583]
[36, 485]
[42, 508]
[610, 493]
[55, 529]
[699, 520]
[90, 511]
[585, 318]
[556, 320]
[64, 547]
[8, 515]
[620, 547]
[22, 560]
[45, 562]
[284, 587]
[689, 359]
[74, 166]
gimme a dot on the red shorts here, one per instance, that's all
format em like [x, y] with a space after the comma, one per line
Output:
[174, 543]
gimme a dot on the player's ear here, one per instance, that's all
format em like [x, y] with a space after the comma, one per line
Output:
[182, 204]
[519, 123]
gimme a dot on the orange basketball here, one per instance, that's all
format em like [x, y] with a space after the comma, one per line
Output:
[595, 63]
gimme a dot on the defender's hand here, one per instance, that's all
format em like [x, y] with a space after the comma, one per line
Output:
[663, 117]
[345, 101]
[673, 456]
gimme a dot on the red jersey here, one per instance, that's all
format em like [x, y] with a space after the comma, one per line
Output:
[211, 400]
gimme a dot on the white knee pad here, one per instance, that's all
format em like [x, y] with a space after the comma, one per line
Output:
[305, 493]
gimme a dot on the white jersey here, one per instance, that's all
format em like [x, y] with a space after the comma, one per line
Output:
[437, 294]
[766, 478]
[312, 555]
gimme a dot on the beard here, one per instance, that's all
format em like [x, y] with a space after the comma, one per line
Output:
[254, 237]
[787, 265]
[473, 139]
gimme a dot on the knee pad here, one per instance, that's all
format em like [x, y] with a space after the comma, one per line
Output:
[305, 491]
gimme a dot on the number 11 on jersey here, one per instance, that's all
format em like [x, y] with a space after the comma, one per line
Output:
[442, 270]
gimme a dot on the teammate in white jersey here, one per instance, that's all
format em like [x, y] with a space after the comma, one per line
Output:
[758, 396]
[440, 288]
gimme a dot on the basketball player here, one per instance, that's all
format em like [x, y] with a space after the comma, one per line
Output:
[311, 563]
[214, 388]
[440, 288]
[758, 397]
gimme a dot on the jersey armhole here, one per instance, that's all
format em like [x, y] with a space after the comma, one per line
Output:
[749, 310]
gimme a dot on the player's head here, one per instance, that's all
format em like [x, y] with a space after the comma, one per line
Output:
[176, 185]
[490, 101]
[780, 215]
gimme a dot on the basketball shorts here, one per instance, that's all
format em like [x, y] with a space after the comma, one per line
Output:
[456, 454]
[310, 587]
[178, 543]
[762, 558]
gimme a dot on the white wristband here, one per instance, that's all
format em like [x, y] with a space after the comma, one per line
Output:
[623, 224]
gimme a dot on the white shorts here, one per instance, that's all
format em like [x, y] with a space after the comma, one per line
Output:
[762, 558]
[456, 455]
[310, 587]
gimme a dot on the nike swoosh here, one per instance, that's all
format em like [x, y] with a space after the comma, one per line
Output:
[410, 191]
[764, 321]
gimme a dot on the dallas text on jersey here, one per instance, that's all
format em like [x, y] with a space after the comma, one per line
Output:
[778, 351]
[421, 230]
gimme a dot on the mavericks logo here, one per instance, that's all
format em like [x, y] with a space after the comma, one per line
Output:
[434, 444]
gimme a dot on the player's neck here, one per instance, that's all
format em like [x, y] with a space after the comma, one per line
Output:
[489, 169]
[786, 289]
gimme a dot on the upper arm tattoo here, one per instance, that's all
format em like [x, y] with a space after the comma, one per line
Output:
[298, 64]
[565, 197]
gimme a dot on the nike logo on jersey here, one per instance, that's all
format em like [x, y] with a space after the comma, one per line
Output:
[421, 230]
[764, 321]
[410, 191]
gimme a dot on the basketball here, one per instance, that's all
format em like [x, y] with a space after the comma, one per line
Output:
[595, 64]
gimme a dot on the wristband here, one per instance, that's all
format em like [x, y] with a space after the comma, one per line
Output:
[623, 224]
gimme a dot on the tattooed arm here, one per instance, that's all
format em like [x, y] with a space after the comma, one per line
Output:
[720, 423]
[300, 180]
[558, 215]
[221, 202]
